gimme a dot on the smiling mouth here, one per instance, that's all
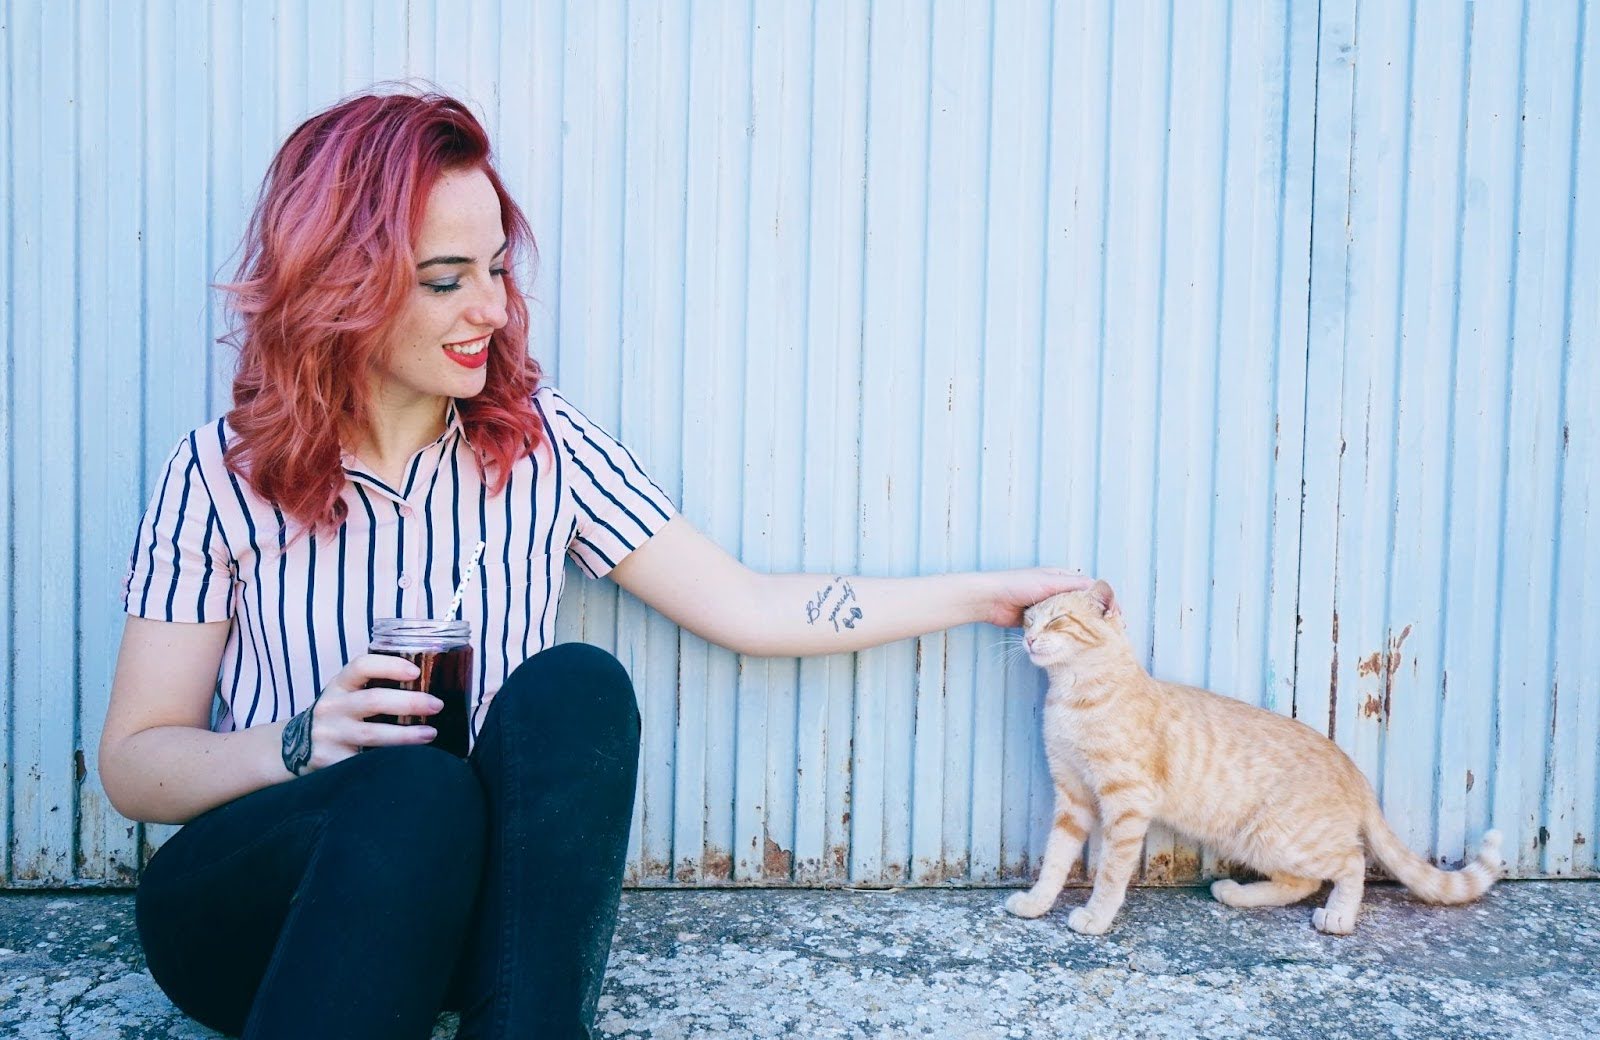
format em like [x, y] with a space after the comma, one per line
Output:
[473, 353]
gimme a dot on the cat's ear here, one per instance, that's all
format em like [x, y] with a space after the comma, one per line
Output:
[1108, 599]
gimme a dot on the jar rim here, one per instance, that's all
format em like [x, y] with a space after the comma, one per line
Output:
[425, 627]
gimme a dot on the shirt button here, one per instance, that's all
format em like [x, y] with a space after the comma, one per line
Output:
[405, 581]
[405, 511]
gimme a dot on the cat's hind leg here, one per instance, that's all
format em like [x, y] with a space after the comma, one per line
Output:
[1074, 817]
[1282, 890]
[1338, 916]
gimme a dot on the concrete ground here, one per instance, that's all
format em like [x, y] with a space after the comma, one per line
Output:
[951, 964]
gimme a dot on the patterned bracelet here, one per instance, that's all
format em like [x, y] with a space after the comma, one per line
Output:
[297, 743]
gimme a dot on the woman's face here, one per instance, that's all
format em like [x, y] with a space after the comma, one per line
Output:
[439, 343]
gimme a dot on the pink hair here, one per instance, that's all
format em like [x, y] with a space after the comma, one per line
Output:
[327, 264]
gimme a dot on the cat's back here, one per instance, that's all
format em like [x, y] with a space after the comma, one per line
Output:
[1264, 735]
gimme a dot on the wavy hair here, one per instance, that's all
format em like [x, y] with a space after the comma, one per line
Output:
[327, 264]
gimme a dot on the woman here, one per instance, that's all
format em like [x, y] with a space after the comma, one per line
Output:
[387, 416]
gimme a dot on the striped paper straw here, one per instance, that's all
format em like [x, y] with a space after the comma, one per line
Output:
[466, 580]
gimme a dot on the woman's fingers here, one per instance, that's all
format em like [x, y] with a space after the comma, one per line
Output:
[362, 670]
[387, 734]
[381, 700]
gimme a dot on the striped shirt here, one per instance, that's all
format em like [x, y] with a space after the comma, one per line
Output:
[209, 549]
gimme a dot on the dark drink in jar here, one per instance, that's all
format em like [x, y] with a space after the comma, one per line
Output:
[442, 651]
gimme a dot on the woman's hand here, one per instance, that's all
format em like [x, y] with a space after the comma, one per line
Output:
[1009, 593]
[336, 727]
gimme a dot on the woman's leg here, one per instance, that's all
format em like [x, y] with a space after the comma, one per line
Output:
[329, 906]
[557, 757]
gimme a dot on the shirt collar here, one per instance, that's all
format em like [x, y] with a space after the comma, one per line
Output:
[452, 421]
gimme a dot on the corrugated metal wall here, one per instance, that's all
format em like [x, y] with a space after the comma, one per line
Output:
[1282, 317]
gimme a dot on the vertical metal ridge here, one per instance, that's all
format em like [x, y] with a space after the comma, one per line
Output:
[1453, 390]
[1220, 263]
[1557, 850]
[990, 868]
[76, 798]
[1497, 733]
[8, 466]
[1104, 287]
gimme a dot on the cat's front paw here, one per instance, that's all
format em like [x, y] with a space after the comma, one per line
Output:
[1085, 923]
[1333, 922]
[1026, 904]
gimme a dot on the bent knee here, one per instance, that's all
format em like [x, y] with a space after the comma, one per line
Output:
[573, 684]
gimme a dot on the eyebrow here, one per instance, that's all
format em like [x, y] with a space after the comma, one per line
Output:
[435, 261]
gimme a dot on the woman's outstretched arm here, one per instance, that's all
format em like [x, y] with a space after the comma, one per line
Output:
[692, 581]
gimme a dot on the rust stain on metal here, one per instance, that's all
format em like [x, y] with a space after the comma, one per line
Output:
[1383, 663]
[776, 861]
[716, 865]
[79, 770]
[687, 868]
[1177, 867]
[651, 869]
[1579, 839]
[1469, 779]
[941, 869]
[839, 856]
[1333, 679]
[1392, 665]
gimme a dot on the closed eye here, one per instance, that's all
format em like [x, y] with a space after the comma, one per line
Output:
[452, 286]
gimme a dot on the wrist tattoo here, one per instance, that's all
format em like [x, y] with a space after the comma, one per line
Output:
[836, 603]
[297, 743]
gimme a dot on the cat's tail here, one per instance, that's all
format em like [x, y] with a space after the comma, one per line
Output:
[1427, 881]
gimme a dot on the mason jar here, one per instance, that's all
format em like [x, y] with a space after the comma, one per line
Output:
[442, 651]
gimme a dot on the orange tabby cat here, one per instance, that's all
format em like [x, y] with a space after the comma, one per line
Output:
[1260, 789]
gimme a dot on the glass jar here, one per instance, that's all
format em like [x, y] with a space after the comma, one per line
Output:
[442, 651]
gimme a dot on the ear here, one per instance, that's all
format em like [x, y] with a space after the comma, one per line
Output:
[1108, 599]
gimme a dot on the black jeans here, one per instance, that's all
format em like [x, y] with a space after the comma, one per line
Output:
[360, 900]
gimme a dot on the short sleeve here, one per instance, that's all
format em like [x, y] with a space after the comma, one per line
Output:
[618, 506]
[180, 568]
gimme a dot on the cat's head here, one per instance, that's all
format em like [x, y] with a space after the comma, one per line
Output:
[1070, 624]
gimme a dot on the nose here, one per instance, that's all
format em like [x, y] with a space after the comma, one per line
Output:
[1027, 641]
[488, 310]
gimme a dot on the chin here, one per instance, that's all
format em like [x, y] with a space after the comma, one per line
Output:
[465, 383]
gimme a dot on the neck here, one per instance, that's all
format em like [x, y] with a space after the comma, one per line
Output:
[398, 427]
